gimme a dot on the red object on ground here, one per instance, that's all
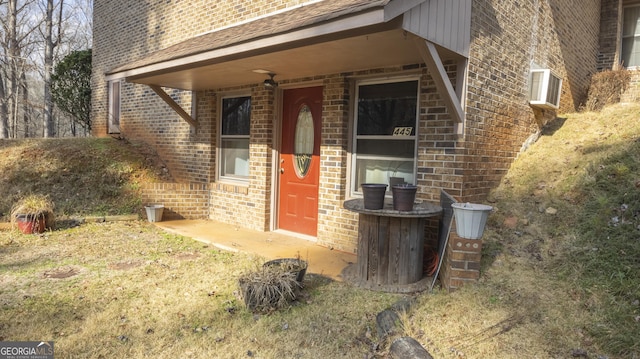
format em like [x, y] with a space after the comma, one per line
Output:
[30, 225]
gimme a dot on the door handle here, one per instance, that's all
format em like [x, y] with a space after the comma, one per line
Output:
[281, 170]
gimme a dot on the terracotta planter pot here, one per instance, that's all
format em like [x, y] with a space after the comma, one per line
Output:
[29, 224]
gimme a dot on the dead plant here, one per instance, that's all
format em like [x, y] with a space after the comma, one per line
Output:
[268, 288]
[606, 88]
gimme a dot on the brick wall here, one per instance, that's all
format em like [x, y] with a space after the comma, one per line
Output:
[337, 227]
[180, 200]
[610, 27]
[507, 38]
[632, 94]
[440, 161]
[610, 45]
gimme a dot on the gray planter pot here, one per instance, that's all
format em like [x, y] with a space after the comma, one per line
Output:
[373, 194]
[154, 212]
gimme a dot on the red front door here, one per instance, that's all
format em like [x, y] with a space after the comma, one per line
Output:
[300, 160]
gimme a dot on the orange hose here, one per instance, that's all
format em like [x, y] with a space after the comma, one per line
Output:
[431, 260]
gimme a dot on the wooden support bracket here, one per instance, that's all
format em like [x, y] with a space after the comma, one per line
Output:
[429, 54]
[179, 110]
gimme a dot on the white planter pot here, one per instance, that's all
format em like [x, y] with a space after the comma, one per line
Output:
[470, 219]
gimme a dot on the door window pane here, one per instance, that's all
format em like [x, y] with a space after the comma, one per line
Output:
[303, 142]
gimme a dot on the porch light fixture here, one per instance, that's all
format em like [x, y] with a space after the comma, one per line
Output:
[270, 83]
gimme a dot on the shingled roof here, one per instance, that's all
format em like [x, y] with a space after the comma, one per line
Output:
[279, 23]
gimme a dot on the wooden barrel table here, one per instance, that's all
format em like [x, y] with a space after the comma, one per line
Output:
[390, 243]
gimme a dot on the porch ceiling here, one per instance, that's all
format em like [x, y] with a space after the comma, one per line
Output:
[357, 52]
[322, 38]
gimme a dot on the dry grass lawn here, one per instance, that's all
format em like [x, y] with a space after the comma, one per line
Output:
[560, 275]
[128, 290]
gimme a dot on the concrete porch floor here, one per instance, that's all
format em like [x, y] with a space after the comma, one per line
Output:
[270, 245]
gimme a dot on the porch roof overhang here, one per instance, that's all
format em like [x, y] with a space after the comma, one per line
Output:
[324, 37]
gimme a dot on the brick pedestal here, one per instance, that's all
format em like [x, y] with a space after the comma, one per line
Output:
[461, 262]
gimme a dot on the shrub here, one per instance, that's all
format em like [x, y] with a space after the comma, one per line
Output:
[606, 88]
[268, 288]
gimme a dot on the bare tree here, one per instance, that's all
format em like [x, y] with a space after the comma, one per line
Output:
[17, 29]
[34, 35]
[49, 45]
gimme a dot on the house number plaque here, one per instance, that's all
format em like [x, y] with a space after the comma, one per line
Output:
[402, 131]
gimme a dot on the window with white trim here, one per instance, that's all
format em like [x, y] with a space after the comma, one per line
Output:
[114, 107]
[631, 36]
[234, 138]
[385, 133]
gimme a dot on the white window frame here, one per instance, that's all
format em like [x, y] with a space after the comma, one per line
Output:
[624, 36]
[114, 111]
[223, 177]
[354, 190]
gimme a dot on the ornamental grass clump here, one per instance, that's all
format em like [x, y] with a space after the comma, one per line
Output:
[268, 288]
[34, 207]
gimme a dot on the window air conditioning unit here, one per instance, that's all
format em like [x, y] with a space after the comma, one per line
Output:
[545, 89]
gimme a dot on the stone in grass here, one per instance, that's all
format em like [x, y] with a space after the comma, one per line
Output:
[388, 319]
[408, 348]
[386, 322]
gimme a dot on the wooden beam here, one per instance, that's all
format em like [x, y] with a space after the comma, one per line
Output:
[439, 74]
[461, 89]
[179, 110]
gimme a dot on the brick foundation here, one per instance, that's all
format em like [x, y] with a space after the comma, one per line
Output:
[461, 262]
[180, 200]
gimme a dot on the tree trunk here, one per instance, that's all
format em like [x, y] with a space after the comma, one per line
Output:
[50, 44]
[25, 104]
[13, 53]
[4, 111]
